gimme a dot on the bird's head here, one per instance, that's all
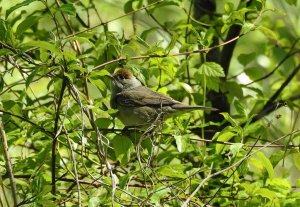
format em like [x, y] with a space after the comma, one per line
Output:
[124, 79]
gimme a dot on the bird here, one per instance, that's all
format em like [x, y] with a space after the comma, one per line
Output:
[140, 106]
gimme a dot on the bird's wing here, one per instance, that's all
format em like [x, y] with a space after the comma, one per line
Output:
[143, 96]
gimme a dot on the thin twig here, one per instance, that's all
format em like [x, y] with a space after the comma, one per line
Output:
[49, 133]
[8, 163]
[74, 167]
[230, 167]
[56, 133]
[166, 55]
[114, 19]
[287, 56]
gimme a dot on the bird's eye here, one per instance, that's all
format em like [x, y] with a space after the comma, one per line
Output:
[121, 77]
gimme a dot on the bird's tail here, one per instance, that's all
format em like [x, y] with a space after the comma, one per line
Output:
[186, 107]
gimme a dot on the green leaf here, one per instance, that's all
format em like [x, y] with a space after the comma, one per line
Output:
[248, 27]
[159, 194]
[271, 34]
[30, 77]
[298, 183]
[212, 83]
[121, 145]
[96, 73]
[181, 142]
[162, 4]
[7, 33]
[140, 40]
[234, 89]
[254, 72]
[44, 45]
[254, 129]
[13, 106]
[266, 193]
[98, 83]
[148, 145]
[280, 184]
[266, 163]
[172, 42]
[5, 51]
[123, 180]
[296, 158]
[24, 3]
[147, 32]
[71, 76]
[68, 9]
[245, 59]
[258, 4]
[250, 188]
[211, 69]
[103, 123]
[38, 183]
[3, 30]
[240, 108]
[235, 148]
[175, 170]
[80, 40]
[1, 83]
[276, 157]
[228, 7]
[229, 118]
[224, 136]
[44, 55]
[26, 24]
[292, 2]
[128, 6]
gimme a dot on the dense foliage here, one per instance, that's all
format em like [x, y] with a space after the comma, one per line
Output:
[61, 144]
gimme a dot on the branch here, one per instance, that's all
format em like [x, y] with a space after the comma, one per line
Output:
[271, 105]
[227, 52]
[26, 57]
[236, 164]
[105, 23]
[8, 163]
[56, 133]
[28, 121]
[168, 55]
[290, 54]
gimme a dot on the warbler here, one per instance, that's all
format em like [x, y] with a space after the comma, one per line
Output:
[140, 106]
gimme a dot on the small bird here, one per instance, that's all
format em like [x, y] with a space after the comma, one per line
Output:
[139, 106]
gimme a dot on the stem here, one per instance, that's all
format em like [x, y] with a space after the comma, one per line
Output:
[8, 164]
[55, 134]
[203, 60]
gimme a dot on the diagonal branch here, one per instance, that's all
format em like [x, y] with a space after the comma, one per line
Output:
[271, 105]
[49, 133]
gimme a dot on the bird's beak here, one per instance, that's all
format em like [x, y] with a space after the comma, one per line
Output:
[110, 76]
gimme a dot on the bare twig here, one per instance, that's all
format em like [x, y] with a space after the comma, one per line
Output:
[270, 106]
[114, 19]
[238, 163]
[8, 163]
[167, 55]
[28, 121]
[56, 133]
[287, 56]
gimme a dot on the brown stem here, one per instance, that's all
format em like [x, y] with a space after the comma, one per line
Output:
[8, 163]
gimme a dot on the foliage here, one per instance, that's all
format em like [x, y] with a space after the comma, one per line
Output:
[62, 145]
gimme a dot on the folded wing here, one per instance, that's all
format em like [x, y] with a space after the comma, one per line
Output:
[143, 96]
